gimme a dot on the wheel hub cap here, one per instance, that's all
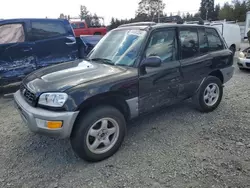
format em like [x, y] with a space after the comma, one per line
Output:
[102, 135]
[211, 94]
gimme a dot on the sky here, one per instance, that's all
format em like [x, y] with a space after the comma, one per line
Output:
[106, 8]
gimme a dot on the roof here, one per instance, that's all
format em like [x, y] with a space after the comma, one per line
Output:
[29, 19]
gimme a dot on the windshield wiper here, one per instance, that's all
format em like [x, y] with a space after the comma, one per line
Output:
[107, 61]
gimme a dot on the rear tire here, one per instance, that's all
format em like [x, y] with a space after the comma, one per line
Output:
[91, 138]
[209, 95]
[241, 68]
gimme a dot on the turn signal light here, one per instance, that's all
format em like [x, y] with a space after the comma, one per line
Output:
[54, 124]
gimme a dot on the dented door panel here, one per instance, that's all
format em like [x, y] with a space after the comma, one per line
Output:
[17, 57]
[159, 86]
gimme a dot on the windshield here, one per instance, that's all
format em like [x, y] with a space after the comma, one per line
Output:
[119, 47]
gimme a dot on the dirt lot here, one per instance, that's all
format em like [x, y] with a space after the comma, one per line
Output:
[175, 147]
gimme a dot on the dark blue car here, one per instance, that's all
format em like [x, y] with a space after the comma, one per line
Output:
[86, 43]
[30, 44]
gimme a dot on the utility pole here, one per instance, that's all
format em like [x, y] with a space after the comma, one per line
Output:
[158, 11]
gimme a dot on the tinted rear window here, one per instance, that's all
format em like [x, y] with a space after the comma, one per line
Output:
[45, 30]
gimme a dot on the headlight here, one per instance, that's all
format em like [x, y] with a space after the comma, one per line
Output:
[53, 99]
[241, 55]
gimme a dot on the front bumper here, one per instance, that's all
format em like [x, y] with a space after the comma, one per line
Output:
[36, 118]
[243, 63]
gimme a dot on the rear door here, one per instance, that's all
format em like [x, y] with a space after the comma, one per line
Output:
[54, 42]
[195, 59]
[16, 55]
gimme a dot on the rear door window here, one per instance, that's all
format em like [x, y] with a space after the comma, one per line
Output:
[189, 42]
[45, 30]
[12, 33]
[214, 41]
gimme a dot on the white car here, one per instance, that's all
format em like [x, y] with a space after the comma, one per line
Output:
[243, 60]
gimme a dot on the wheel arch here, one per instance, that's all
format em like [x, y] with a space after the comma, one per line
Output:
[218, 74]
[114, 99]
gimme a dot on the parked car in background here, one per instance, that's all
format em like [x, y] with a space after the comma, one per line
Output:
[133, 70]
[30, 44]
[82, 28]
[86, 43]
[243, 59]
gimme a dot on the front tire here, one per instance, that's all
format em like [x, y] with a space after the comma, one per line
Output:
[209, 95]
[98, 134]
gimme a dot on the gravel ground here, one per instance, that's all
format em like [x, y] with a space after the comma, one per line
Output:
[174, 147]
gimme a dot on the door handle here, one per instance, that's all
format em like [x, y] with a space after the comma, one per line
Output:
[70, 43]
[72, 40]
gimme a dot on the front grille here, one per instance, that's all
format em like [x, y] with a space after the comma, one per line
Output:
[28, 95]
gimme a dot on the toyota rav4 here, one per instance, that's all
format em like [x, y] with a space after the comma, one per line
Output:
[133, 70]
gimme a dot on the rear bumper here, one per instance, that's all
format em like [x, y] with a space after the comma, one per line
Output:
[243, 63]
[227, 73]
[36, 118]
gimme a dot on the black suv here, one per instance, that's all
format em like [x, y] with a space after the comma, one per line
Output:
[133, 70]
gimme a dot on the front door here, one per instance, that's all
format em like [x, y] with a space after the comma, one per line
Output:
[159, 86]
[16, 56]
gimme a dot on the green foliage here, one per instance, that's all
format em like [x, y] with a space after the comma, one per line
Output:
[90, 19]
[207, 9]
[234, 11]
[150, 8]
[148, 11]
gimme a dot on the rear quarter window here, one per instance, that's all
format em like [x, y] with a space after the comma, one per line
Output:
[11, 33]
[41, 30]
[214, 41]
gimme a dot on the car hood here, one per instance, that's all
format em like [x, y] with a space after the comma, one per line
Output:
[66, 75]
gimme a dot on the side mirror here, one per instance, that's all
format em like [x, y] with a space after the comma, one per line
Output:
[151, 61]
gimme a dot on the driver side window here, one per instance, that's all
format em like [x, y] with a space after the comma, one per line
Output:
[163, 44]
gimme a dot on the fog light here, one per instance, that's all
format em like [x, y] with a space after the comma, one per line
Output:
[54, 124]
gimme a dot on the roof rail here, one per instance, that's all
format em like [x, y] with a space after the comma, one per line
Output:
[138, 24]
[194, 20]
[223, 21]
[173, 19]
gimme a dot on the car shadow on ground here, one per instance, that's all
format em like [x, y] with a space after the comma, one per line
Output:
[58, 151]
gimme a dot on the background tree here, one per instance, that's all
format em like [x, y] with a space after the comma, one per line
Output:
[96, 20]
[216, 12]
[150, 9]
[234, 11]
[62, 16]
[85, 14]
[240, 9]
[207, 9]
